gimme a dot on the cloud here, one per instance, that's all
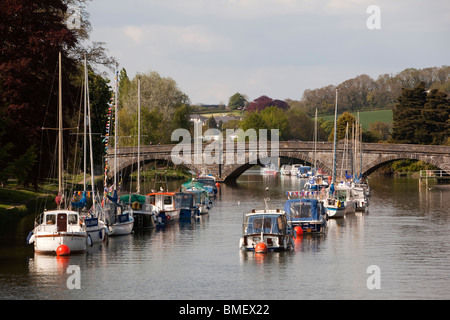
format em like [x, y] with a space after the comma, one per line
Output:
[214, 49]
[180, 38]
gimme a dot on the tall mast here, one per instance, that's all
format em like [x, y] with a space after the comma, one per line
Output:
[115, 129]
[335, 139]
[91, 153]
[138, 187]
[315, 144]
[60, 135]
[84, 124]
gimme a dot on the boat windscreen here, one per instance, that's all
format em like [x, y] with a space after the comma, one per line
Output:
[265, 224]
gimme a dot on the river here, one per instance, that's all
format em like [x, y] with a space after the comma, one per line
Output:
[404, 236]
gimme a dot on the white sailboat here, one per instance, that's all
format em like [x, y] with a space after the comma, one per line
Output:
[139, 206]
[95, 224]
[117, 221]
[59, 231]
[334, 207]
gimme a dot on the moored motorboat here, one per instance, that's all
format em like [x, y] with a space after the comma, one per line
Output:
[269, 169]
[140, 208]
[55, 228]
[285, 169]
[188, 208]
[165, 207]
[266, 230]
[209, 183]
[309, 214]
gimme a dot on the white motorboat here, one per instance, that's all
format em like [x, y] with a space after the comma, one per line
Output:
[286, 169]
[269, 169]
[266, 230]
[165, 207]
[55, 228]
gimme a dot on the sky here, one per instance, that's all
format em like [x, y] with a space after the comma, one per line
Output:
[278, 48]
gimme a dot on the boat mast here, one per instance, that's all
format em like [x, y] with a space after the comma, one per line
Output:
[138, 186]
[115, 129]
[315, 144]
[90, 135]
[335, 139]
[60, 135]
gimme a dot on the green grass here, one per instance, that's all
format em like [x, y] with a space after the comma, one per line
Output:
[368, 117]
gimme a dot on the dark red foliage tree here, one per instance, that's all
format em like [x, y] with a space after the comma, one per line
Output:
[32, 33]
[264, 101]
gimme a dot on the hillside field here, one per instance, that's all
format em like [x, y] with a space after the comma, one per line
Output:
[368, 117]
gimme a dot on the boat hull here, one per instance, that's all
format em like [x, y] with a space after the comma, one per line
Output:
[143, 220]
[49, 242]
[311, 227]
[334, 212]
[96, 230]
[121, 228]
[273, 242]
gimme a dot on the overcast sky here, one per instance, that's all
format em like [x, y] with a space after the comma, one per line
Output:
[278, 48]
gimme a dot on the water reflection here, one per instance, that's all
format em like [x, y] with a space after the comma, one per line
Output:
[405, 233]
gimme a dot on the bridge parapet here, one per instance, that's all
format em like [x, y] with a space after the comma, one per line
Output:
[235, 160]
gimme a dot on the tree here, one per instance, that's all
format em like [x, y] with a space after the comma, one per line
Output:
[237, 102]
[341, 127]
[407, 119]
[275, 118]
[181, 119]
[160, 98]
[436, 115]
[212, 123]
[379, 131]
[33, 34]
[124, 84]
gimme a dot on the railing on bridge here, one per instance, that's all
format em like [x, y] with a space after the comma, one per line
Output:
[432, 174]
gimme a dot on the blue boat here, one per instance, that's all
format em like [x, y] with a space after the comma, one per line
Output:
[309, 214]
[187, 205]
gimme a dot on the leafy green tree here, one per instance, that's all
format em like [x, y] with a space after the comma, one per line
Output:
[253, 120]
[237, 101]
[160, 98]
[341, 127]
[276, 118]
[124, 84]
[181, 118]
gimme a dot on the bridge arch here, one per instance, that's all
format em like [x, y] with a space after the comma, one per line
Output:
[371, 167]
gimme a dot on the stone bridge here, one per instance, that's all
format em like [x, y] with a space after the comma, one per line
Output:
[237, 161]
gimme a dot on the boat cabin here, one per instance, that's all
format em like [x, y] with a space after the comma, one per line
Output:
[265, 221]
[60, 221]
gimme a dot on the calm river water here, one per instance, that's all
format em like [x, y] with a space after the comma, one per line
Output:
[405, 234]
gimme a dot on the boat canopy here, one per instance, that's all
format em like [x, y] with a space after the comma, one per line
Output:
[185, 200]
[303, 209]
[192, 185]
[131, 198]
[266, 223]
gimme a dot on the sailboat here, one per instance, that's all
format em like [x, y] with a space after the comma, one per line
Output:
[334, 207]
[95, 226]
[118, 221]
[59, 231]
[139, 206]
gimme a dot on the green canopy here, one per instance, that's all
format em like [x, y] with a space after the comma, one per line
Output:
[130, 198]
